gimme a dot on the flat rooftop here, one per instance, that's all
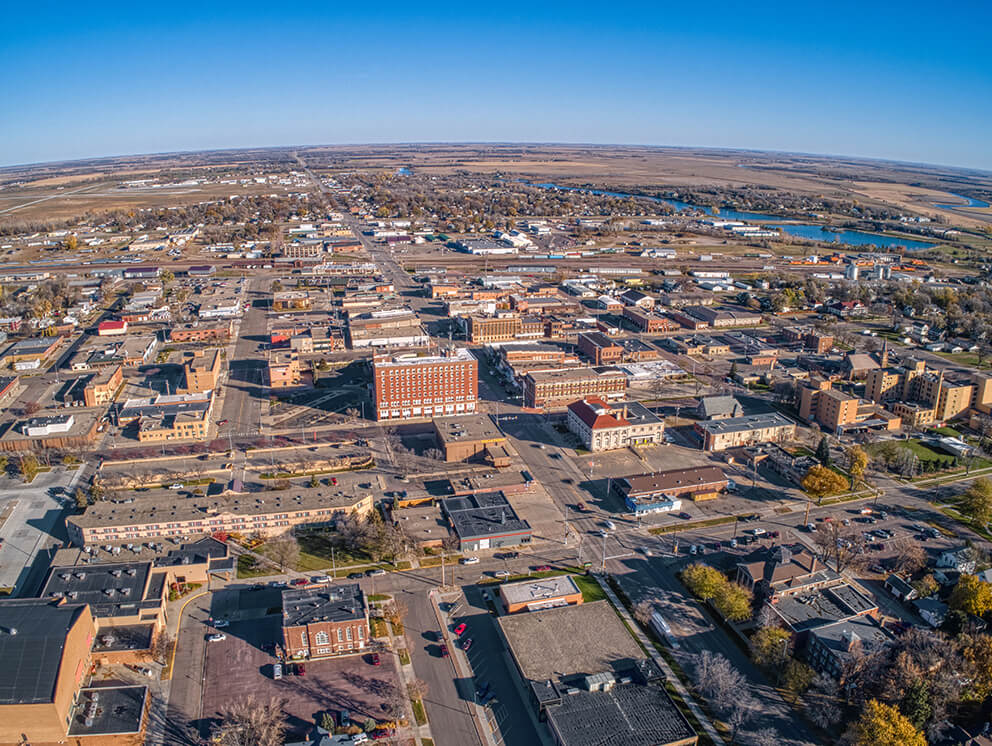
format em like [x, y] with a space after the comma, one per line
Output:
[110, 710]
[569, 640]
[575, 374]
[529, 591]
[110, 589]
[467, 428]
[482, 514]
[675, 479]
[818, 608]
[457, 355]
[322, 603]
[748, 422]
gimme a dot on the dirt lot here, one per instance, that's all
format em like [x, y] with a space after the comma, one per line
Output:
[238, 666]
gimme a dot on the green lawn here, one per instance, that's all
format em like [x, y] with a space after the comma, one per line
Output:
[591, 590]
[418, 712]
[966, 358]
[249, 567]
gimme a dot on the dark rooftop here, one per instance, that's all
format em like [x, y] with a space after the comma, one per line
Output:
[111, 710]
[482, 514]
[110, 589]
[322, 603]
[32, 640]
[630, 714]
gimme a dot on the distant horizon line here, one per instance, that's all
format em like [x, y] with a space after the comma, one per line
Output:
[491, 143]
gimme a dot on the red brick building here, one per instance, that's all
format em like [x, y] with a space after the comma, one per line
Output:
[321, 621]
[599, 348]
[408, 386]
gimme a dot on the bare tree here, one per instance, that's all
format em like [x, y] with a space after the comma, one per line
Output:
[643, 611]
[764, 737]
[417, 688]
[910, 557]
[161, 646]
[716, 677]
[248, 722]
[285, 551]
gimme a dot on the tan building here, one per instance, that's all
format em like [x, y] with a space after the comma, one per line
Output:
[46, 660]
[557, 388]
[322, 621]
[284, 369]
[914, 415]
[267, 513]
[103, 386]
[719, 435]
[914, 383]
[201, 371]
[217, 332]
[292, 300]
[602, 427]
[827, 406]
[486, 329]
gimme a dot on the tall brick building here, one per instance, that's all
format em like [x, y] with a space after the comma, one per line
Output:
[557, 388]
[408, 386]
[324, 620]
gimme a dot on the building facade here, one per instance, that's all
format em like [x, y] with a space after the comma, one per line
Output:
[324, 620]
[603, 427]
[558, 388]
[410, 386]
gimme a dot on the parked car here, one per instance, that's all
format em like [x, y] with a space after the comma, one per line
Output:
[298, 581]
[301, 669]
[757, 531]
[733, 543]
[693, 549]
[221, 623]
[501, 574]
[460, 629]
[276, 671]
[320, 579]
[375, 660]
[376, 572]
[444, 650]
[470, 560]
[773, 534]
[466, 644]
[360, 738]
[356, 575]
[684, 516]
[542, 568]
[222, 423]
[580, 506]
[176, 486]
[216, 637]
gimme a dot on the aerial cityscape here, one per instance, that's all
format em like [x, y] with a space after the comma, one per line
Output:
[458, 432]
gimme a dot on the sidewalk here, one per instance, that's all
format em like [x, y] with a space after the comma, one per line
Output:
[662, 663]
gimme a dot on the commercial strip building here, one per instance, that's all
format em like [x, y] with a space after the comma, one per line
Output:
[209, 333]
[588, 680]
[320, 621]
[413, 386]
[558, 388]
[463, 436]
[485, 520]
[603, 427]
[733, 432]
[534, 595]
[659, 491]
[266, 513]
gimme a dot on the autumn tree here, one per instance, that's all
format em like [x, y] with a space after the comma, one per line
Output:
[796, 678]
[971, 596]
[248, 722]
[857, 462]
[821, 481]
[28, 467]
[882, 725]
[977, 651]
[734, 602]
[770, 647]
[703, 581]
[976, 502]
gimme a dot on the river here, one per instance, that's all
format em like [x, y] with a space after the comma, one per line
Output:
[969, 202]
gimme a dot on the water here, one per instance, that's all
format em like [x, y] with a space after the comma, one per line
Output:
[852, 238]
[801, 230]
[969, 202]
[404, 171]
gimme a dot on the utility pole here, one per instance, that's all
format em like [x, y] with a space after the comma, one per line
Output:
[809, 504]
[603, 565]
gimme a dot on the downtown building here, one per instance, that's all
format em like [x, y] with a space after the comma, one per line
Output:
[412, 386]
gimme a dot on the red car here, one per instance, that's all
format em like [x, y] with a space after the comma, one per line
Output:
[542, 568]
[299, 581]
[222, 423]
[301, 669]
[460, 629]
[376, 661]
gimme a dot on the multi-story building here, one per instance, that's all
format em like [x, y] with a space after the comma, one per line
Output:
[913, 383]
[821, 403]
[486, 329]
[46, 645]
[602, 427]
[291, 300]
[723, 317]
[175, 417]
[103, 385]
[648, 321]
[599, 348]
[557, 388]
[321, 621]
[284, 369]
[813, 340]
[275, 513]
[201, 371]
[220, 332]
[408, 386]
[718, 435]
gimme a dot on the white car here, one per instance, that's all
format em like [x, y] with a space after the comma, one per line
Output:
[610, 525]
[320, 579]
[757, 531]
[216, 637]
[470, 560]
[360, 738]
[176, 486]
[221, 623]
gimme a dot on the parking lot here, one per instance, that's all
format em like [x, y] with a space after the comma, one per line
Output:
[237, 666]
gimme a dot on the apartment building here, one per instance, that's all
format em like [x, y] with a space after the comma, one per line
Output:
[201, 371]
[915, 383]
[599, 348]
[408, 386]
[719, 435]
[284, 369]
[487, 329]
[603, 427]
[321, 621]
[816, 341]
[102, 386]
[558, 388]
[823, 404]
[265, 513]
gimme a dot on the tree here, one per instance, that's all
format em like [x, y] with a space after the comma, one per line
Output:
[417, 688]
[327, 722]
[926, 586]
[82, 499]
[910, 557]
[797, 678]
[882, 725]
[915, 704]
[770, 647]
[857, 462]
[161, 646]
[733, 371]
[821, 481]
[167, 276]
[28, 467]
[977, 651]
[976, 502]
[971, 596]
[734, 602]
[703, 581]
[716, 678]
[821, 701]
[71, 242]
[285, 551]
[247, 722]
[823, 451]
[314, 482]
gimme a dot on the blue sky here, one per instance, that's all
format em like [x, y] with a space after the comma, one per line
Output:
[907, 81]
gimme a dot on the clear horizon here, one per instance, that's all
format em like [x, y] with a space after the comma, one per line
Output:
[887, 81]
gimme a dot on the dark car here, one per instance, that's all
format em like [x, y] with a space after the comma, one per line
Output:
[444, 650]
[684, 516]
[773, 534]
[375, 660]
[466, 643]
[356, 575]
